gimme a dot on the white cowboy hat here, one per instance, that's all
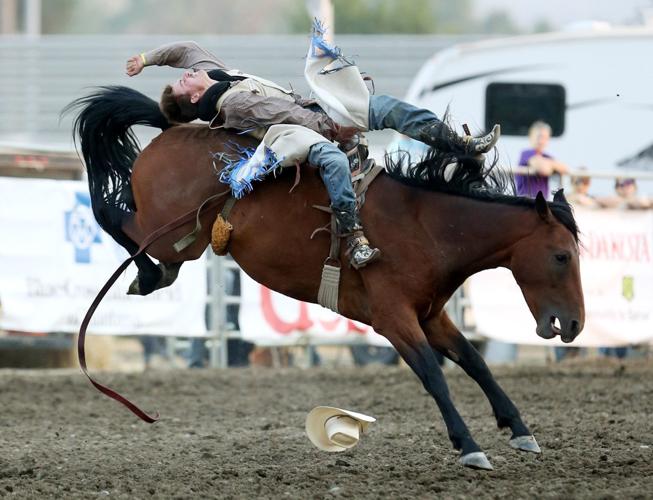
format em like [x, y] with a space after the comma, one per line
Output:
[335, 429]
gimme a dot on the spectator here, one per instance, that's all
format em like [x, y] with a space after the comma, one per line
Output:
[579, 195]
[542, 164]
[152, 345]
[613, 352]
[626, 196]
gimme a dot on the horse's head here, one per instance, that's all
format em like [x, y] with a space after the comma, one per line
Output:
[546, 267]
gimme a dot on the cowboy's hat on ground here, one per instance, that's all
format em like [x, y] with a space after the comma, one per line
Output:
[335, 429]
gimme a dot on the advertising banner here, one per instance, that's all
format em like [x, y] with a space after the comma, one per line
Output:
[54, 258]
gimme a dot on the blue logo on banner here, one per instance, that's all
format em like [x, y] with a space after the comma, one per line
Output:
[81, 229]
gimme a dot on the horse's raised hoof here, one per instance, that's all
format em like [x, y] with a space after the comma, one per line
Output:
[134, 288]
[525, 443]
[167, 276]
[476, 460]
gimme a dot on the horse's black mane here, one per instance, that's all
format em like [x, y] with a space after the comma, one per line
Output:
[470, 177]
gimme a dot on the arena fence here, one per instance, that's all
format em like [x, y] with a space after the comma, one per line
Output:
[630, 283]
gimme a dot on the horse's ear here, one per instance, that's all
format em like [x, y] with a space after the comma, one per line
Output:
[542, 207]
[559, 196]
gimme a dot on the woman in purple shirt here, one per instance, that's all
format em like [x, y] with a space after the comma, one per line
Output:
[541, 163]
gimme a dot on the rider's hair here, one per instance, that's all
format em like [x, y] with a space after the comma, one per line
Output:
[177, 108]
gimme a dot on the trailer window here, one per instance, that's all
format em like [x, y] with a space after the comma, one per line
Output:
[515, 106]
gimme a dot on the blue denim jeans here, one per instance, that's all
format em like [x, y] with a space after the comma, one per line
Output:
[334, 169]
[385, 112]
[389, 112]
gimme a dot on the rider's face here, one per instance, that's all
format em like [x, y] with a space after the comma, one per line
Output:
[192, 84]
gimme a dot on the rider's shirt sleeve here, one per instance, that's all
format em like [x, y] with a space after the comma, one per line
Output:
[187, 55]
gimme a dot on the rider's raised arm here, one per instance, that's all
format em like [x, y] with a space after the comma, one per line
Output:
[187, 55]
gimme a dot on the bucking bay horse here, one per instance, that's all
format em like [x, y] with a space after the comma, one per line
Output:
[437, 221]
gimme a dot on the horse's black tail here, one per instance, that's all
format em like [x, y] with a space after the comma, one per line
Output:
[102, 130]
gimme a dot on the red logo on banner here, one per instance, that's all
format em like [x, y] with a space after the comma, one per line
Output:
[303, 320]
[356, 328]
[629, 247]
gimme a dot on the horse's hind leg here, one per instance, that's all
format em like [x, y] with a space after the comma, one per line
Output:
[166, 276]
[443, 336]
[408, 338]
[149, 274]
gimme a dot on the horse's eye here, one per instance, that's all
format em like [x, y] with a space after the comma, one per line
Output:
[562, 258]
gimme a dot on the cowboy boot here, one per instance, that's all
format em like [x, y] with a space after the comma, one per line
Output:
[440, 136]
[358, 246]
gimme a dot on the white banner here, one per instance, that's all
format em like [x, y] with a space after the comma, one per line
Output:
[54, 258]
[617, 277]
[270, 318]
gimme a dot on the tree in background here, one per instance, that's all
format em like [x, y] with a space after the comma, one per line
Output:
[270, 16]
[164, 16]
[498, 21]
[410, 17]
[542, 26]
[389, 16]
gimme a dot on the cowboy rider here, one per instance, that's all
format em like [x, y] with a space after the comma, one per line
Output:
[208, 90]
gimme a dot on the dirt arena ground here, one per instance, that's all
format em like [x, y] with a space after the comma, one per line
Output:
[239, 434]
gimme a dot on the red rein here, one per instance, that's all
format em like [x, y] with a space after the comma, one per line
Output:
[81, 350]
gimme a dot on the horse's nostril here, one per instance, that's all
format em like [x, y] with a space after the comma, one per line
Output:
[575, 327]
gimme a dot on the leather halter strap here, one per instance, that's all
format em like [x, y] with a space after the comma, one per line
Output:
[151, 238]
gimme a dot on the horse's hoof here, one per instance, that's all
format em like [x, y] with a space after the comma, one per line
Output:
[476, 460]
[525, 443]
[134, 288]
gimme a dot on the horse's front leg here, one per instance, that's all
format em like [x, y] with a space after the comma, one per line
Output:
[404, 332]
[443, 336]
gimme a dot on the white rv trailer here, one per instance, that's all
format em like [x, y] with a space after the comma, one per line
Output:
[595, 88]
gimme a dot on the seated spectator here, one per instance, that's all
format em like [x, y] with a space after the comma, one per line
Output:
[542, 163]
[626, 196]
[579, 195]
[626, 189]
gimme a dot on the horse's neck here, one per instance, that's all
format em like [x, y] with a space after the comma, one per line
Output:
[483, 233]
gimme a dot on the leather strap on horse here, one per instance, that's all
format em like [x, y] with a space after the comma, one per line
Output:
[327, 295]
[190, 238]
[365, 182]
[228, 205]
[151, 238]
